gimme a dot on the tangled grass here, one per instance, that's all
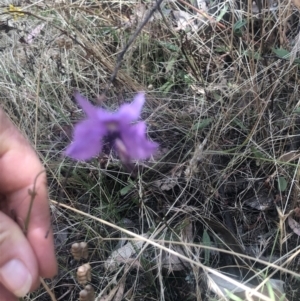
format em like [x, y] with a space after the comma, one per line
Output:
[222, 102]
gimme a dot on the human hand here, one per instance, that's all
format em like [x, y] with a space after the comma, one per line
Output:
[22, 258]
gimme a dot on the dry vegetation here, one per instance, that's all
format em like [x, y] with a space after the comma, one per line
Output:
[223, 103]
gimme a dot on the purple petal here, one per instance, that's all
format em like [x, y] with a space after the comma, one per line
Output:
[90, 110]
[124, 116]
[107, 117]
[136, 143]
[87, 141]
[131, 112]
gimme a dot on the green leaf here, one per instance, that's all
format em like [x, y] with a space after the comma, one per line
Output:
[222, 13]
[217, 96]
[270, 291]
[253, 55]
[282, 298]
[239, 123]
[206, 242]
[126, 189]
[237, 27]
[297, 110]
[222, 49]
[170, 65]
[282, 184]
[202, 124]
[239, 24]
[170, 46]
[232, 296]
[282, 53]
[257, 154]
[166, 87]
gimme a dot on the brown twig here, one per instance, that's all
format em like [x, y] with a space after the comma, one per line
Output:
[131, 40]
[32, 194]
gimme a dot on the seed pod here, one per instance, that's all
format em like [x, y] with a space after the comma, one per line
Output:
[84, 274]
[80, 250]
[87, 294]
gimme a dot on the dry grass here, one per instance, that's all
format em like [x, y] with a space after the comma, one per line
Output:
[222, 102]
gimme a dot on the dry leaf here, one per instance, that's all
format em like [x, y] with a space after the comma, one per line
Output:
[218, 285]
[120, 292]
[288, 157]
[184, 20]
[194, 166]
[187, 232]
[294, 225]
[297, 3]
[34, 33]
[173, 262]
[116, 294]
[260, 202]
[272, 5]
[226, 290]
[84, 274]
[124, 254]
[170, 181]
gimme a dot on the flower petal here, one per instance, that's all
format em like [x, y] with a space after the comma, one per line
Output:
[136, 143]
[87, 107]
[87, 141]
[131, 112]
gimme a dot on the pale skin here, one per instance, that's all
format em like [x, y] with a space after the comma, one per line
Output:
[19, 169]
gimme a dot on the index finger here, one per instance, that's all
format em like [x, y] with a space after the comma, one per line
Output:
[20, 169]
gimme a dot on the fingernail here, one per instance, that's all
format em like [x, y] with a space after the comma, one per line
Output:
[15, 277]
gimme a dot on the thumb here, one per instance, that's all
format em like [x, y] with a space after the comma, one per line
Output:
[18, 265]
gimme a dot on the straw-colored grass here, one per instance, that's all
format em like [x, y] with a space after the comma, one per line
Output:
[222, 102]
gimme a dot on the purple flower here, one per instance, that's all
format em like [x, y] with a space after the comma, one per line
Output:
[128, 139]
